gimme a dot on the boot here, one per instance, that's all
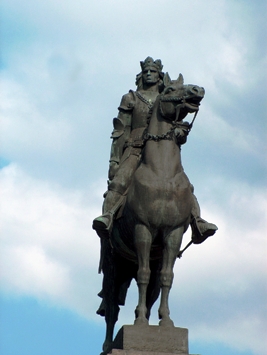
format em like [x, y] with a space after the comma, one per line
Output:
[102, 308]
[201, 230]
[103, 224]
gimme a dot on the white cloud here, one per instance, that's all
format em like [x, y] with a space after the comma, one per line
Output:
[24, 128]
[214, 129]
[49, 249]
[28, 270]
[221, 285]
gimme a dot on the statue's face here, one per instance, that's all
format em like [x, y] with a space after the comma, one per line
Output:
[150, 76]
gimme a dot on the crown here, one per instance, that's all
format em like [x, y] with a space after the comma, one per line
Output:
[149, 62]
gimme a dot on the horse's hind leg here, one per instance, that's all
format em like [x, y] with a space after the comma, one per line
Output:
[142, 240]
[111, 318]
[172, 245]
[110, 294]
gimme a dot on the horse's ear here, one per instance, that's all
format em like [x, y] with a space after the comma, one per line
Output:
[166, 80]
[180, 79]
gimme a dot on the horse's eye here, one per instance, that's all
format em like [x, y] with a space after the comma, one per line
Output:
[169, 90]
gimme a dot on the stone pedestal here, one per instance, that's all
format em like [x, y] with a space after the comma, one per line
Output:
[151, 340]
[140, 352]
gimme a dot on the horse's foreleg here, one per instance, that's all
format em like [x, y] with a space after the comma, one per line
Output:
[142, 240]
[172, 245]
[153, 289]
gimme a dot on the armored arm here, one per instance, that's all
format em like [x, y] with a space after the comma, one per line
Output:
[121, 132]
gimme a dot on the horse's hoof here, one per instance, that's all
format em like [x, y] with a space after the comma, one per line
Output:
[107, 347]
[166, 323]
[141, 322]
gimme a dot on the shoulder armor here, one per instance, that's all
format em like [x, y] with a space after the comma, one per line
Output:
[118, 128]
[127, 101]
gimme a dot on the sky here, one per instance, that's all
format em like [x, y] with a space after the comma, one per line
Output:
[64, 68]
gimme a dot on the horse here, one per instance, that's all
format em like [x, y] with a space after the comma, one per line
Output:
[146, 240]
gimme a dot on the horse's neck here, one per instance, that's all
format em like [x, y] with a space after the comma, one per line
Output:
[162, 156]
[158, 125]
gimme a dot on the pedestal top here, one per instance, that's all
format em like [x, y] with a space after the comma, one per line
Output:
[151, 340]
[136, 352]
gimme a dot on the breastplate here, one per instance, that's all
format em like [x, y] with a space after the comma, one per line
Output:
[140, 112]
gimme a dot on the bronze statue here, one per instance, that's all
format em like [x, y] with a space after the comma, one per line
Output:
[150, 202]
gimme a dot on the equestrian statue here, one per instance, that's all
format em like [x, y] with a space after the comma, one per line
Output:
[150, 201]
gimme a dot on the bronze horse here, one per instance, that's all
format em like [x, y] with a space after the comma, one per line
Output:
[146, 240]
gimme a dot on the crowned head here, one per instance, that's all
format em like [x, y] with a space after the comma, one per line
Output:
[151, 73]
[150, 63]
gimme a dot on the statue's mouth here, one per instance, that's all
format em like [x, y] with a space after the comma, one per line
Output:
[193, 103]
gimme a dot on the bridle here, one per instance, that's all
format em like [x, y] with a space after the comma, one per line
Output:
[175, 124]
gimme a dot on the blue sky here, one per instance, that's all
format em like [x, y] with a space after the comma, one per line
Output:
[65, 66]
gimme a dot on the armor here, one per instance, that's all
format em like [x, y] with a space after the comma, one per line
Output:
[127, 136]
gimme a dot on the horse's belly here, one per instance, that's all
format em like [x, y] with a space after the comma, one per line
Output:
[159, 200]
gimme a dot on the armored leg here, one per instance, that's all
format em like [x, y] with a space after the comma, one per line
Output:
[103, 224]
[116, 192]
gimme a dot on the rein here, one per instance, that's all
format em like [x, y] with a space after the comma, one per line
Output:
[165, 136]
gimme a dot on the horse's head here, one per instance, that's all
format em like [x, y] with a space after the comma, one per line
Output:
[177, 99]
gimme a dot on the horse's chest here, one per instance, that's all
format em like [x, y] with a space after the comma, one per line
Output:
[157, 199]
[161, 182]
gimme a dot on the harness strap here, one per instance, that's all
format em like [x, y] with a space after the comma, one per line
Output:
[181, 251]
[191, 124]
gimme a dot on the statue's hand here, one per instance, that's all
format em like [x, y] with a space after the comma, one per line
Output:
[181, 135]
[181, 132]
